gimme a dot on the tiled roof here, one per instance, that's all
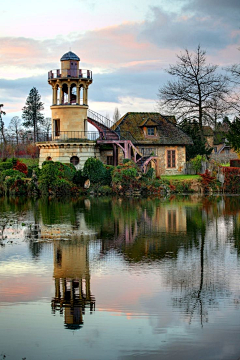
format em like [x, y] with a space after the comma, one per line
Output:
[70, 56]
[166, 132]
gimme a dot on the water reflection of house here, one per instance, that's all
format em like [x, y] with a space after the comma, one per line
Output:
[149, 233]
[72, 282]
[168, 218]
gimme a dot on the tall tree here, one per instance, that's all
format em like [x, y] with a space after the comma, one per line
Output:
[15, 127]
[233, 135]
[116, 115]
[195, 85]
[2, 128]
[199, 146]
[32, 111]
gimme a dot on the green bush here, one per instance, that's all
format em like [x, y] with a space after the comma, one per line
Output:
[62, 187]
[78, 178]
[150, 173]
[34, 168]
[125, 178]
[48, 176]
[4, 165]
[126, 161]
[66, 171]
[197, 162]
[95, 171]
[16, 186]
[11, 173]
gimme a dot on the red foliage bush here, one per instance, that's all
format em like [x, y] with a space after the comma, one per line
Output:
[21, 167]
[231, 179]
[207, 180]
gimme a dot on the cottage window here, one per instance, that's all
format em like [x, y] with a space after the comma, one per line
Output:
[109, 160]
[171, 158]
[150, 131]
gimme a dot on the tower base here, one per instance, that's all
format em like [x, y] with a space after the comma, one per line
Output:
[66, 152]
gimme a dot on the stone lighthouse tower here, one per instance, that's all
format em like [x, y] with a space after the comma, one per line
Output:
[70, 141]
[69, 97]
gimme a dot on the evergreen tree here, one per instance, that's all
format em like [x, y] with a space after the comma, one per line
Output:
[199, 146]
[233, 135]
[32, 111]
[2, 129]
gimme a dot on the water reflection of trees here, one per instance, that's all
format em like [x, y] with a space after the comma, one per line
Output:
[11, 213]
[198, 276]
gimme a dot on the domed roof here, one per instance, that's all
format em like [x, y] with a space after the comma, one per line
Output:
[70, 56]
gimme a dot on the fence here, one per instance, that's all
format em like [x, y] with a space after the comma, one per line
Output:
[189, 169]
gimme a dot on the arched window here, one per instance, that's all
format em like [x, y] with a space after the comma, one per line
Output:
[74, 160]
[73, 94]
[49, 158]
[65, 94]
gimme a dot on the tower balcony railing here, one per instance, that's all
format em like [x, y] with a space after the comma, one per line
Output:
[69, 136]
[75, 73]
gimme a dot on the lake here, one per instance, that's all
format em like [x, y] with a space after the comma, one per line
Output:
[117, 278]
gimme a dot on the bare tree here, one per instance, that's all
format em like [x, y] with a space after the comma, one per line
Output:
[235, 72]
[218, 108]
[196, 85]
[15, 127]
[46, 126]
[116, 115]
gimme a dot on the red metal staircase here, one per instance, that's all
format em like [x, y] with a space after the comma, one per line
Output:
[109, 136]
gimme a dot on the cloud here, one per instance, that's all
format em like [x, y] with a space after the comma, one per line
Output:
[226, 10]
[188, 29]
[127, 59]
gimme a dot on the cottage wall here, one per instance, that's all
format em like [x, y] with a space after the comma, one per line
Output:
[158, 151]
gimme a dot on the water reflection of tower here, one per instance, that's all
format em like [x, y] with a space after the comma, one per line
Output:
[72, 282]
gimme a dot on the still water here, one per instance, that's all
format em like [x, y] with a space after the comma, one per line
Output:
[100, 279]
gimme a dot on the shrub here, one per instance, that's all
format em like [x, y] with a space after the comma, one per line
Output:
[231, 179]
[47, 177]
[33, 168]
[66, 171]
[207, 181]
[125, 178]
[78, 178]
[197, 162]
[18, 187]
[62, 187]
[6, 165]
[11, 173]
[150, 173]
[21, 167]
[95, 171]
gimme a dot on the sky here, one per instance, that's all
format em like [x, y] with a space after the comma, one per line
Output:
[128, 45]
